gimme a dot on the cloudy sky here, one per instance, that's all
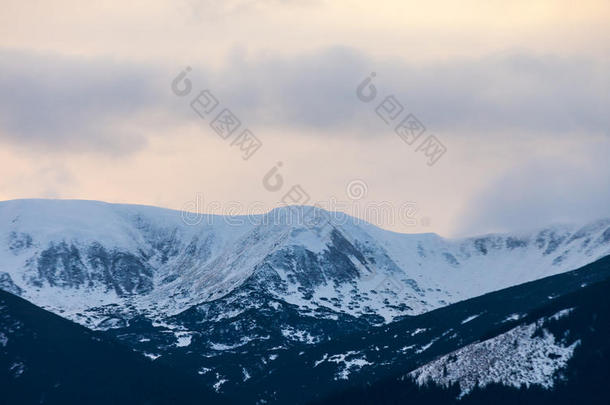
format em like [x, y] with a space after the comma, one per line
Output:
[517, 93]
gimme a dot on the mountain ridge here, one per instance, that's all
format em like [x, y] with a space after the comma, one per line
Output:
[73, 256]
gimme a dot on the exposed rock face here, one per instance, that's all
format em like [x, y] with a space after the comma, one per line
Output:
[7, 284]
[123, 272]
[68, 266]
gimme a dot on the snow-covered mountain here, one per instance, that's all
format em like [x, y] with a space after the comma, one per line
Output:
[88, 259]
[543, 342]
[296, 305]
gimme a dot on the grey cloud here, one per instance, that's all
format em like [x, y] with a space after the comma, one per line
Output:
[512, 92]
[299, 93]
[542, 193]
[516, 92]
[68, 104]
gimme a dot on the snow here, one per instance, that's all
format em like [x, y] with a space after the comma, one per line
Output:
[125, 228]
[221, 346]
[426, 346]
[17, 369]
[275, 305]
[244, 340]
[112, 323]
[350, 366]
[298, 335]
[418, 331]
[562, 314]
[152, 356]
[203, 370]
[183, 339]
[322, 360]
[420, 271]
[406, 348]
[501, 360]
[470, 318]
[513, 317]
[347, 363]
[219, 382]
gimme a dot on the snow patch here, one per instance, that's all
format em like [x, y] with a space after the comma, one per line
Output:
[152, 356]
[513, 317]
[426, 346]
[203, 370]
[418, 331]
[348, 363]
[299, 335]
[501, 360]
[470, 318]
[219, 382]
[183, 339]
[562, 314]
